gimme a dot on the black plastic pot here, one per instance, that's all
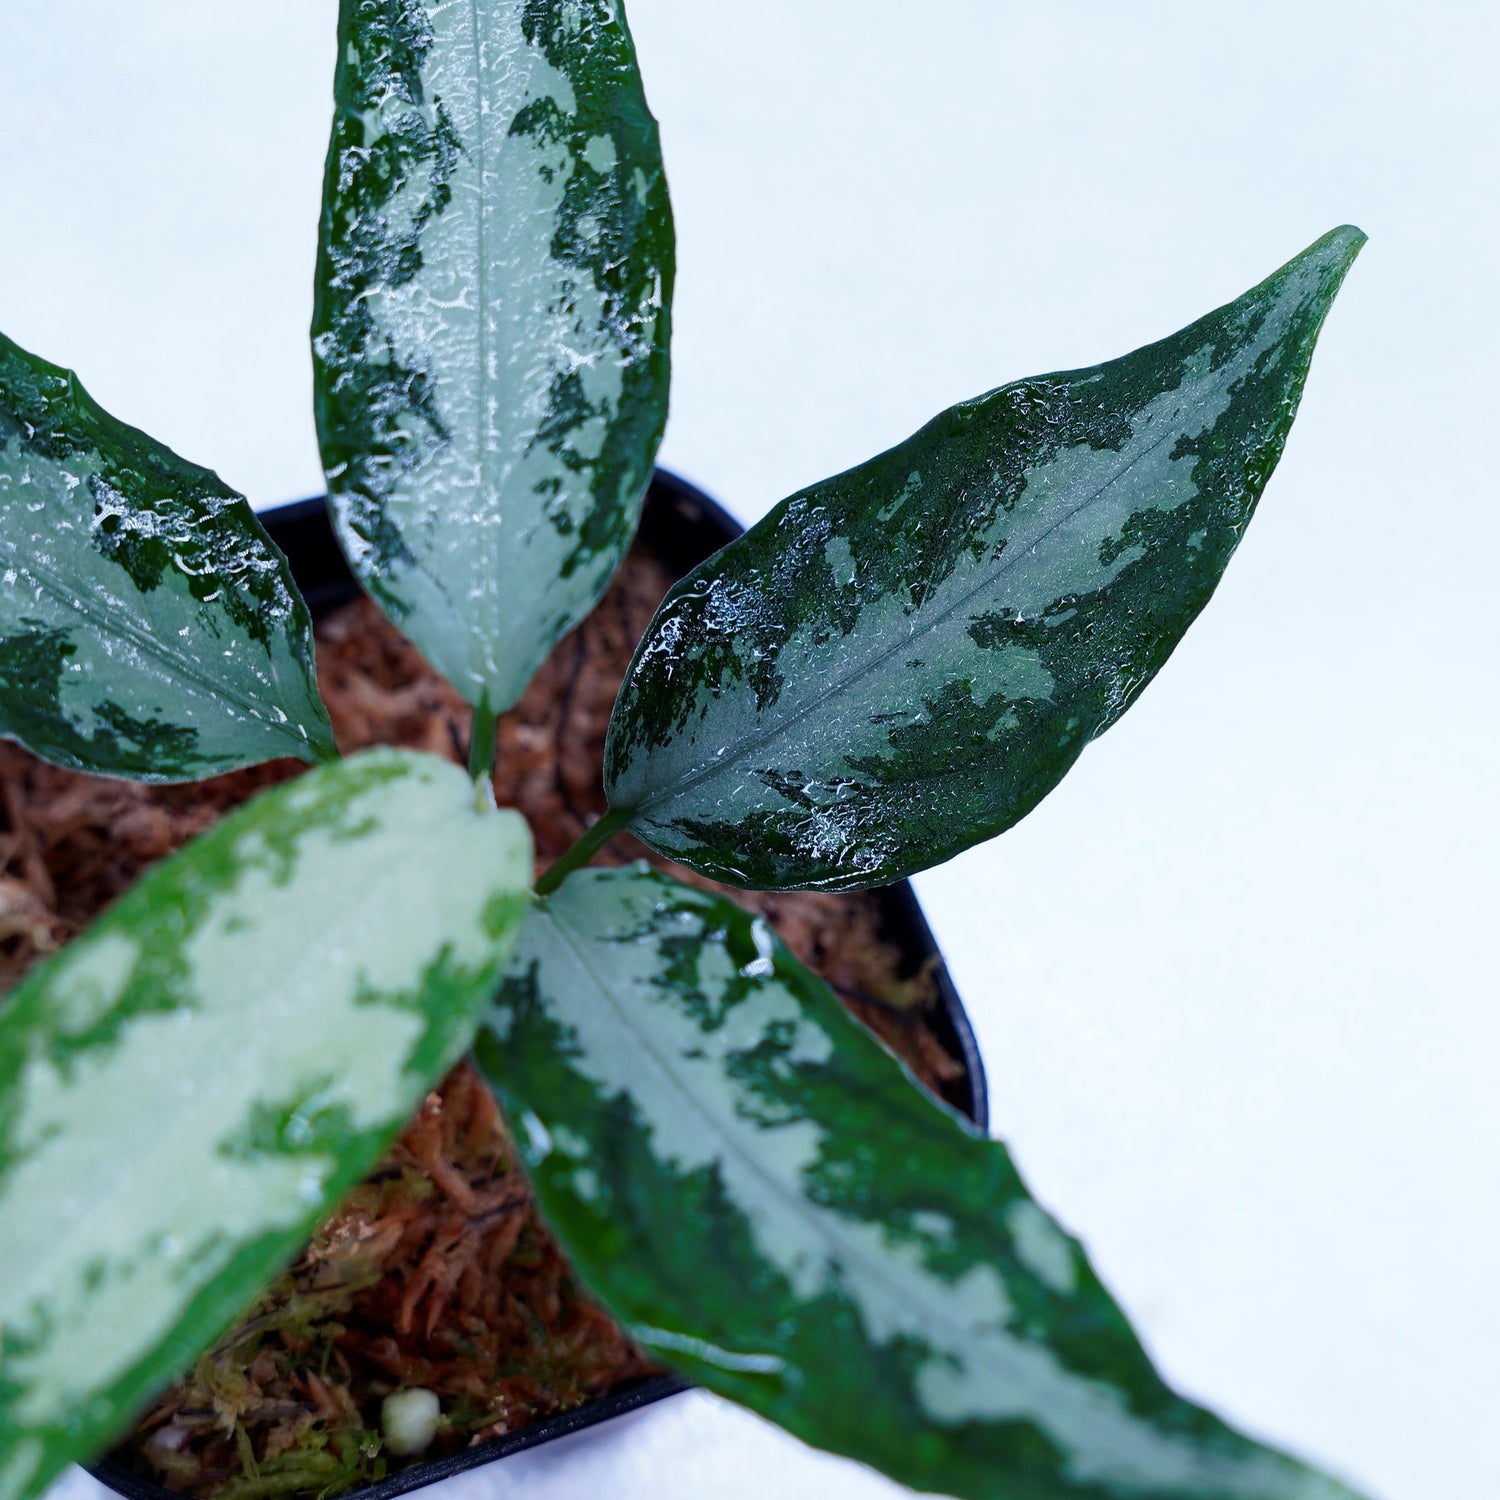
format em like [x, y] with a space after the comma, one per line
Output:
[683, 527]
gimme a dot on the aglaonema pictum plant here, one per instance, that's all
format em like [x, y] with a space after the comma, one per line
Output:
[895, 664]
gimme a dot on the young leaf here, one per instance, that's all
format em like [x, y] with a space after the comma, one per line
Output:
[189, 1087]
[902, 661]
[771, 1204]
[149, 627]
[492, 324]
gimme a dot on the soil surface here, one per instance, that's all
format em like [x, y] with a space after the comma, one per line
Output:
[436, 1272]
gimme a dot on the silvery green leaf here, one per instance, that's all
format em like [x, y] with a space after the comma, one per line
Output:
[492, 322]
[766, 1199]
[903, 660]
[190, 1086]
[149, 627]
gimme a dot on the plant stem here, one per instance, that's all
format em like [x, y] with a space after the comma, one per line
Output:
[482, 740]
[584, 850]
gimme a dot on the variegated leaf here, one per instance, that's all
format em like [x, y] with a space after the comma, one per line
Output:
[149, 627]
[189, 1087]
[902, 661]
[766, 1199]
[492, 324]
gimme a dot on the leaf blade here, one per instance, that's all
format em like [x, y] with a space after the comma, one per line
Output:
[763, 1196]
[190, 1086]
[903, 660]
[493, 319]
[149, 628]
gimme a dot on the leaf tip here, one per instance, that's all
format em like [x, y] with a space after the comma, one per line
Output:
[1345, 242]
[1311, 280]
[1335, 252]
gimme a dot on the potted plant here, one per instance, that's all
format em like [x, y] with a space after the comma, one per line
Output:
[435, 1274]
[895, 664]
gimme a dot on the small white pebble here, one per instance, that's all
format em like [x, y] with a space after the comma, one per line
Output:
[409, 1420]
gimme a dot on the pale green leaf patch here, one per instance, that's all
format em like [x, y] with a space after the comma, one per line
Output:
[188, 1088]
[149, 628]
[903, 660]
[493, 317]
[763, 1195]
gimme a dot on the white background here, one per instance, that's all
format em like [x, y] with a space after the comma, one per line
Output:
[1236, 980]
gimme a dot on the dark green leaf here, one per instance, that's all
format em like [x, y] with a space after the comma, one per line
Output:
[190, 1086]
[149, 627]
[902, 661]
[767, 1200]
[492, 324]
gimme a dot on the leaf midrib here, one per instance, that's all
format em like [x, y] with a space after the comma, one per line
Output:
[107, 624]
[485, 540]
[753, 742]
[490, 540]
[853, 1254]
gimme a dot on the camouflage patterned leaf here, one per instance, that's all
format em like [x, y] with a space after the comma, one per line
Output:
[492, 325]
[190, 1086]
[764, 1197]
[149, 627]
[902, 661]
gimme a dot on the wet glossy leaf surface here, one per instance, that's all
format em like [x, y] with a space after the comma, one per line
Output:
[903, 660]
[493, 315]
[766, 1199]
[188, 1088]
[149, 628]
